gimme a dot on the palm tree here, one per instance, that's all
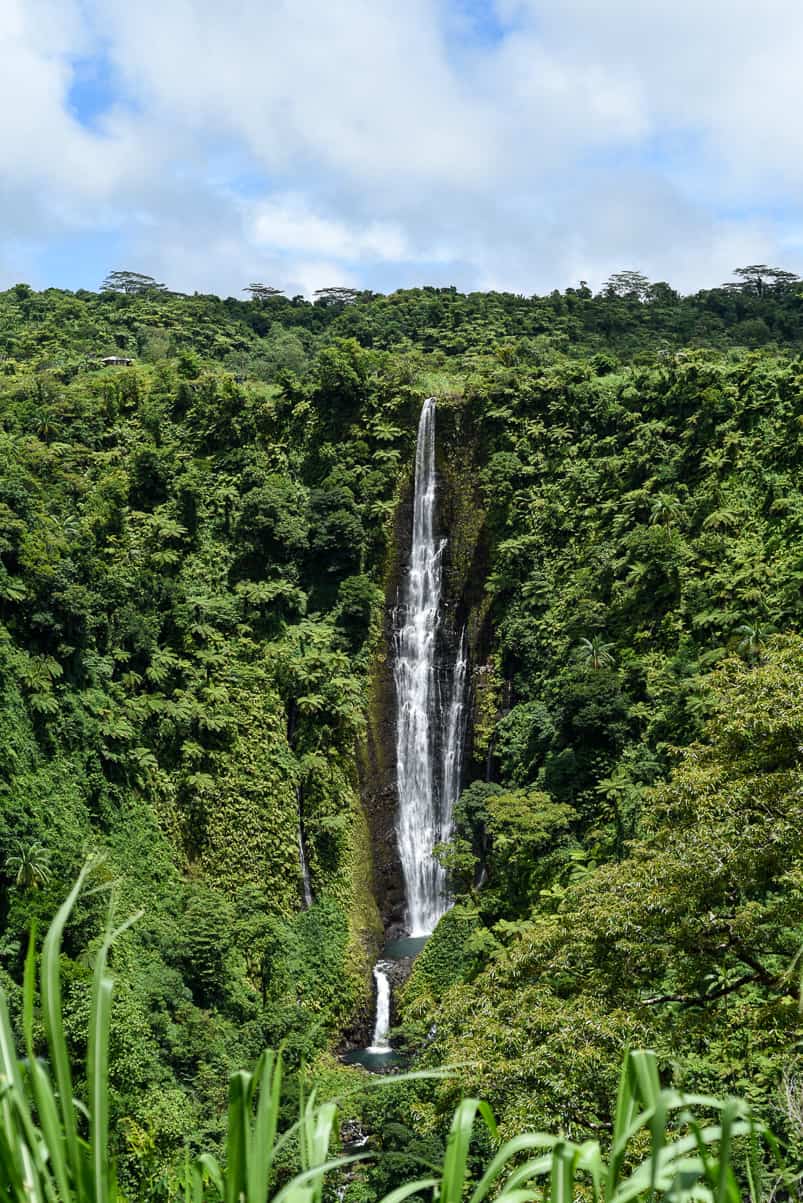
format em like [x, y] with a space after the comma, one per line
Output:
[753, 638]
[594, 653]
[28, 865]
[665, 510]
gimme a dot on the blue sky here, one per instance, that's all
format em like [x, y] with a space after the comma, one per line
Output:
[92, 89]
[519, 144]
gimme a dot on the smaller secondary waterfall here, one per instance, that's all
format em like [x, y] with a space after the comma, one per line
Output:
[452, 743]
[305, 879]
[381, 1041]
[429, 725]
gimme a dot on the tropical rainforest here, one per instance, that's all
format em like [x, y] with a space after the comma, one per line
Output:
[201, 505]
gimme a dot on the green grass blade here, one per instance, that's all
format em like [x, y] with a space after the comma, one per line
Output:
[455, 1163]
[645, 1069]
[186, 1180]
[236, 1179]
[22, 1138]
[639, 1091]
[51, 1127]
[295, 1193]
[410, 1188]
[753, 1167]
[51, 1007]
[726, 1186]
[98, 1078]
[205, 1167]
[538, 1167]
[527, 1141]
[29, 993]
[314, 1138]
[622, 1124]
[13, 1166]
[657, 1125]
[262, 1146]
[9, 1065]
[561, 1180]
[98, 1065]
[590, 1160]
[196, 1185]
[314, 1176]
[319, 1137]
[587, 1158]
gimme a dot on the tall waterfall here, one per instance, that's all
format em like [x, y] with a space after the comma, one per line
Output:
[381, 1042]
[429, 727]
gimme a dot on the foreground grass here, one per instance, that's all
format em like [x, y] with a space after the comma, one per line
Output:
[55, 1149]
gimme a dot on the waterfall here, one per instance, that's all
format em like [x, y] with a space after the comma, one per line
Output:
[381, 1042]
[452, 741]
[305, 879]
[428, 782]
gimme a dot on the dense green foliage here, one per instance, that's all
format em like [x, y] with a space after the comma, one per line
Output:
[194, 553]
[52, 1151]
[187, 587]
[638, 846]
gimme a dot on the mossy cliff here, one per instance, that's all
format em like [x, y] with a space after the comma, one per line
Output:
[464, 521]
[377, 751]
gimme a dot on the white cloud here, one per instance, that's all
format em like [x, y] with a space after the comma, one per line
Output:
[379, 144]
[360, 86]
[724, 72]
[285, 223]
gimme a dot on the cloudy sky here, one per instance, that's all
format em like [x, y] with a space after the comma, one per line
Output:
[517, 144]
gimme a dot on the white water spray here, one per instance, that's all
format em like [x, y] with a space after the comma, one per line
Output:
[381, 1041]
[427, 788]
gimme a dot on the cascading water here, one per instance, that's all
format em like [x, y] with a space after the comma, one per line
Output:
[430, 729]
[381, 1041]
[452, 742]
[306, 887]
[424, 720]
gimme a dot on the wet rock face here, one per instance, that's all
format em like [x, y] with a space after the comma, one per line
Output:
[360, 1032]
[398, 972]
[378, 759]
[353, 1137]
[379, 802]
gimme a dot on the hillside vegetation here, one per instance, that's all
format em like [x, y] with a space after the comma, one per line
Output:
[194, 553]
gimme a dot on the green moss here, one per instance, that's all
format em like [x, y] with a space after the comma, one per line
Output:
[444, 960]
[488, 686]
[365, 923]
[249, 810]
[375, 756]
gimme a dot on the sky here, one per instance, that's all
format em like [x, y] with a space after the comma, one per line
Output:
[522, 145]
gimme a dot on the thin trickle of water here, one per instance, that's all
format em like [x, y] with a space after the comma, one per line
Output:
[381, 1040]
[306, 886]
[452, 743]
[428, 779]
